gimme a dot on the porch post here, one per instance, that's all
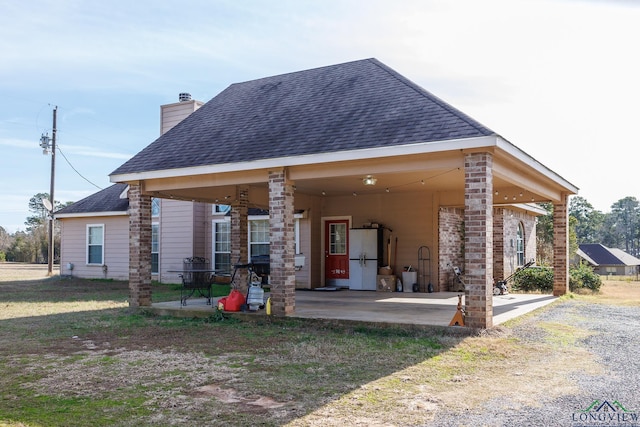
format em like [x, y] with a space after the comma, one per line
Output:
[499, 243]
[139, 247]
[561, 247]
[478, 228]
[239, 235]
[282, 243]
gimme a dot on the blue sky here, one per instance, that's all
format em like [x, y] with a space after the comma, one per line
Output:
[559, 79]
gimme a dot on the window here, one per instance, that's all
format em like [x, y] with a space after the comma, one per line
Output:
[95, 244]
[258, 240]
[155, 248]
[155, 207]
[222, 245]
[338, 239]
[258, 237]
[520, 245]
[221, 209]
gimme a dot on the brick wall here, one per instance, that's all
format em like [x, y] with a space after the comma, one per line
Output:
[505, 223]
[450, 245]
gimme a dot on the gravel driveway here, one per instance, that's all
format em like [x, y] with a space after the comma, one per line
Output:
[613, 338]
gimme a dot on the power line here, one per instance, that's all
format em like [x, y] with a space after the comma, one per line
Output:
[76, 170]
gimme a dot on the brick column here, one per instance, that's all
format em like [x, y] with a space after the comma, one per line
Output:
[478, 228]
[499, 243]
[239, 235]
[139, 247]
[282, 243]
[561, 247]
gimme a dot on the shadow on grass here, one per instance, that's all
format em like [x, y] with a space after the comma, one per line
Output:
[302, 364]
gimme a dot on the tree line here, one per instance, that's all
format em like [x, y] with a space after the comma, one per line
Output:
[32, 244]
[619, 228]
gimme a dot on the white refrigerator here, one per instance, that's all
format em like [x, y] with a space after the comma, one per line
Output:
[363, 259]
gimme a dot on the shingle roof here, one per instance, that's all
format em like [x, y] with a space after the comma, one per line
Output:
[598, 254]
[355, 105]
[107, 200]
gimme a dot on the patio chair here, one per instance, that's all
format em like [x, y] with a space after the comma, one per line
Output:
[196, 277]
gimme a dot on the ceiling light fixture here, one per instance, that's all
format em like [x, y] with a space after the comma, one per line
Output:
[369, 180]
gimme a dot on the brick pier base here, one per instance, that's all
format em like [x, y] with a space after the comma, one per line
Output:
[239, 236]
[478, 228]
[560, 247]
[139, 248]
[282, 245]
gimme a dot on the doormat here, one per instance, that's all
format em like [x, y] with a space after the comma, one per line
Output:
[327, 288]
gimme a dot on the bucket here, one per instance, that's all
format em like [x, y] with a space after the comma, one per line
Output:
[255, 296]
[408, 279]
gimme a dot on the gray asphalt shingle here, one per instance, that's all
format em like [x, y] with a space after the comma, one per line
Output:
[107, 200]
[355, 105]
[602, 255]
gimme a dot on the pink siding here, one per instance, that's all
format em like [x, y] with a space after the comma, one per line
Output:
[200, 230]
[116, 247]
[176, 236]
[303, 278]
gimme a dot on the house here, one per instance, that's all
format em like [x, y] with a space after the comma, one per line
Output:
[606, 261]
[349, 146]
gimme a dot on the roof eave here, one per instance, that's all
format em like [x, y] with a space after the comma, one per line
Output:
[514, 151]
[310, 159]
[89, 214]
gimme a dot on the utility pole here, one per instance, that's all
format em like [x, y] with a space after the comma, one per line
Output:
[47, 144]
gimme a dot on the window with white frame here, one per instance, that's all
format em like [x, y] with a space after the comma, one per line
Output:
[258, 240]
[222, 245]
[155, 236]
[95, 244]
[520, 245]
[155, 248]
[258, 237]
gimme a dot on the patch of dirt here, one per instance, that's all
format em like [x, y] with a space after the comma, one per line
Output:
[229, 395]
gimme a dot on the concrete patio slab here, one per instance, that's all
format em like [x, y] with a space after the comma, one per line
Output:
[436, 309]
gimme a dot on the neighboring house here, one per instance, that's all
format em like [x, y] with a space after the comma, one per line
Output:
[607, 261]
[347, 146]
